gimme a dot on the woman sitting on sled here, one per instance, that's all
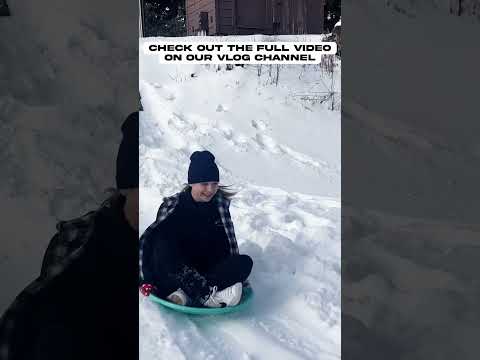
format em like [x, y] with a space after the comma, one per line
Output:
[189, 255]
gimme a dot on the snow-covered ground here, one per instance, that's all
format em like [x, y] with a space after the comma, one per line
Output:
[282, 153]
[410, 243]
[66, 85]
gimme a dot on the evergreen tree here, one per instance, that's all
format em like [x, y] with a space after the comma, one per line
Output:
[164, 18]
[332, 13]
[4, 10]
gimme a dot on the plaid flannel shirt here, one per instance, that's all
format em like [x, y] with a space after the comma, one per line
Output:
[66, 246]
[168, 206]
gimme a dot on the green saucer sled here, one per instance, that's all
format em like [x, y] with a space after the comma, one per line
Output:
[246, 298]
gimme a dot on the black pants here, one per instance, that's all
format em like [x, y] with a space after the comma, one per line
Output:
[233, 269]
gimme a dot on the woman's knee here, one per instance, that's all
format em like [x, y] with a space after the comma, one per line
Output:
[247, 262]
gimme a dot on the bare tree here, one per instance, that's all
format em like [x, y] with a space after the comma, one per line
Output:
[277, 74]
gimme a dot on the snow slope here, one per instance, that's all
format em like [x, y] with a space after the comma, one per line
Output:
[65, 88]
[283, 156]
[410, 243]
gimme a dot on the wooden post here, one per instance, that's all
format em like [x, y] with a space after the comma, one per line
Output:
[234, 17]
[217, 17]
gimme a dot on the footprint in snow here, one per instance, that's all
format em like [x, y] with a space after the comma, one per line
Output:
[227, 133]
[268, 144]
[259, 125]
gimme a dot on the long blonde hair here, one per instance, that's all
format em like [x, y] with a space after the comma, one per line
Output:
[225, 190]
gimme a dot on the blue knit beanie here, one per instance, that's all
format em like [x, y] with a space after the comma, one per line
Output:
[202, 168]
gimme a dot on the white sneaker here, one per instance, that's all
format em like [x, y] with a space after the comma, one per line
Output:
[178, 297]
[227, 297]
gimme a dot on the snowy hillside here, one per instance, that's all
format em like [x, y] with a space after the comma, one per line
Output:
[65, 88]
[281, 150]
[413, 116]
[467, 9]
[410, 246]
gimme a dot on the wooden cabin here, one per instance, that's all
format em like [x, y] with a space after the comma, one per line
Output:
[246, 17]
